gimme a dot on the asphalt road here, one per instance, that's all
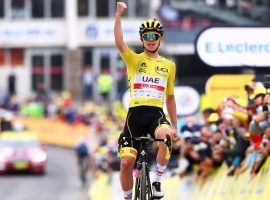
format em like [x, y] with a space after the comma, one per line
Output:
[61, 181]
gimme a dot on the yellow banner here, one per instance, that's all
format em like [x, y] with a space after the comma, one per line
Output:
[219, 86]
[55, 132]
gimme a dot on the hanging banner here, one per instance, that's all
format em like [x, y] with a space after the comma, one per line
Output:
[33, 33]
[234, 46]
[101, 32]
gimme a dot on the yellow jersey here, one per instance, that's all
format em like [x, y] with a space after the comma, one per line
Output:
[149, 79]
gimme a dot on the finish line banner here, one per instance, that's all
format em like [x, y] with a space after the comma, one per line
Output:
[234, 46]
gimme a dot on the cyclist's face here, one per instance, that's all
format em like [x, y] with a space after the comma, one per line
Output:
[151, 40]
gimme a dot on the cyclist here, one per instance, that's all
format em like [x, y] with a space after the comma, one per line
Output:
[82, 154]
[151, 79]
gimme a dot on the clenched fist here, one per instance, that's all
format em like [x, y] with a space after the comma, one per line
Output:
[121, 6]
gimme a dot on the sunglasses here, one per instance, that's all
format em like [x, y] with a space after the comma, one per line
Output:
[154, 36]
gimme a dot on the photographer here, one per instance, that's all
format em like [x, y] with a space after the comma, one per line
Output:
[261, 120]
[196, 151]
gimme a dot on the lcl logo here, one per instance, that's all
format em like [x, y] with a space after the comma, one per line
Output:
[161, 70]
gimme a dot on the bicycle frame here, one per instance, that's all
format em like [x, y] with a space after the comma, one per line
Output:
[143, 183]
[142, 163]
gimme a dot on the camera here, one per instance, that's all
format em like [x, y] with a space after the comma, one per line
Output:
[265, 108]
[266, 85]
[195, 140]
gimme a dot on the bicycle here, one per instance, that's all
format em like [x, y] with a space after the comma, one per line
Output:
[143, 188]
[83, 169]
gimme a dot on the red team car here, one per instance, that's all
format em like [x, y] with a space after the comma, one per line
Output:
[21, 152]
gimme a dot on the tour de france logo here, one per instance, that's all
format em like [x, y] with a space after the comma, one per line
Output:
[161, 70]
[143, 68]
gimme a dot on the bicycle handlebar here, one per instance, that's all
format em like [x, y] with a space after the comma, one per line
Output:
[167, 141]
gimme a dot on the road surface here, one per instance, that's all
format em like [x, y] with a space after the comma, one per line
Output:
[61, 181]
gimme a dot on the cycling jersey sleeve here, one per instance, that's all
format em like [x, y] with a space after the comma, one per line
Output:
[170, 83]
[128, 56]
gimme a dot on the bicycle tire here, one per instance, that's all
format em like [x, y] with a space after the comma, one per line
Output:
[137, 188]
[143, 180]
[148, 183]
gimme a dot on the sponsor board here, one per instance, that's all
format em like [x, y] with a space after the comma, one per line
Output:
[220, 86]
[234, 46]
[101, 32]
[37, 33]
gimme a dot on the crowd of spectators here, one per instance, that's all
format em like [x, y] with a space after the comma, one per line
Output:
[104, 123]
[236, 133]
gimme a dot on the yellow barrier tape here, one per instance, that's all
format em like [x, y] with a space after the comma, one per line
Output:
[218, 186]
[55, 132]
[100, 189]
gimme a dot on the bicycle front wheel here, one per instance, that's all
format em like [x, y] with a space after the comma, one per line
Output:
[143, 180]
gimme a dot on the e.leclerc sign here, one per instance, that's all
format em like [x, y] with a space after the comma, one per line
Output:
[234, 46]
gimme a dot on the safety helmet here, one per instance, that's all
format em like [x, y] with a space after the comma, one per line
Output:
[151, 25]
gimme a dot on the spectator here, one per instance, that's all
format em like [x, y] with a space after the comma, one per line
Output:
[105, 81]
[87, 81]
[207, 112]
[121, 83]
[13, 104]
[41, 94]
[11, 84]
[260, 121]
[254, 159]
[235, 149]
[6, 122]
[249, 88]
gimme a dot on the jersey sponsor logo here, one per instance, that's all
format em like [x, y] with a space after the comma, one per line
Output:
[147, 93]
[148, 79]
[151, 80]
[133, 151]
[161, 70]
[141, 86]
[146, 86]
[143, 68]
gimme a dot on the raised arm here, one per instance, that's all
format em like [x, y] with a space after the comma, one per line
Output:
[118, 33]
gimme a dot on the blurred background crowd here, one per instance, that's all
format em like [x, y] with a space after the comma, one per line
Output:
[236, 132]
[58, 62]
